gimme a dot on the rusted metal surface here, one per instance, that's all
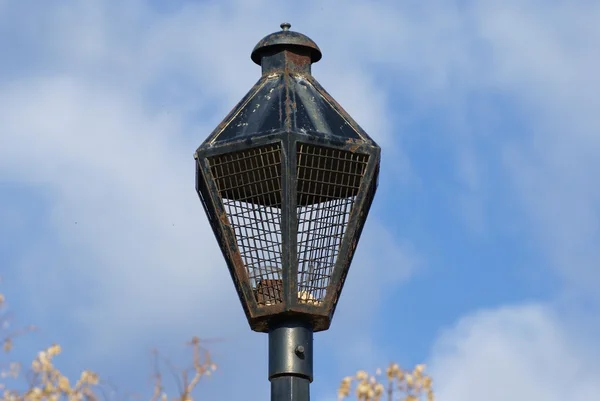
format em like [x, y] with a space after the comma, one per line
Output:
[269, 292]
[220, 224]
[287, 180]
[286, 39]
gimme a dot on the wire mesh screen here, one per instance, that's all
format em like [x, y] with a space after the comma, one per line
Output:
[249, 185]
[362, 217]
[328, 183]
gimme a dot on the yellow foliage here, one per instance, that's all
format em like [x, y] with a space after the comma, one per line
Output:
[397, 384]
[47, 382]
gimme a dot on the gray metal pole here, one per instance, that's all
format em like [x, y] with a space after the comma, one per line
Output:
[290, 361]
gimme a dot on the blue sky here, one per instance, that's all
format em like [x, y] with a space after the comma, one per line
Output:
[481, 256]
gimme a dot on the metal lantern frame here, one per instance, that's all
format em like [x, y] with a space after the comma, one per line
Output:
[287, 180]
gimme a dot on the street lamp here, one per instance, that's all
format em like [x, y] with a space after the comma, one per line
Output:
[287, 180]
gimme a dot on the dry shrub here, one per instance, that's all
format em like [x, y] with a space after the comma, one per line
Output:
[398, 384]
[43, 381]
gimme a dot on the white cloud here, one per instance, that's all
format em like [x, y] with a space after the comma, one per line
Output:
[542, 55]
[520, 353]
[551, 73]
[123, 202]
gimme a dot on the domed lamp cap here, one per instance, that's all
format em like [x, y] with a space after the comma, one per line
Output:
[286, 39]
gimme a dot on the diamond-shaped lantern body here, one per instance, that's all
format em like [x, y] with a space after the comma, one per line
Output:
[287, 180]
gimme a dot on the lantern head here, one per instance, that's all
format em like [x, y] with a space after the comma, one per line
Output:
[287, 180]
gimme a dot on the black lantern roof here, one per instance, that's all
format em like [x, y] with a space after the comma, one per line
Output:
[287, 180]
